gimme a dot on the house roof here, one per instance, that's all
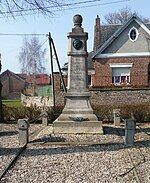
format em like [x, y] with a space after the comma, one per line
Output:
[106, 31]
[115, 30]
[41, 79]
[23, 76]
[8, 72]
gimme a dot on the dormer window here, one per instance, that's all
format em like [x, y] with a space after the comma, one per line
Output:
[133, 34]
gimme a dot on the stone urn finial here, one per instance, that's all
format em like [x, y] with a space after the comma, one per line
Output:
[77, 20]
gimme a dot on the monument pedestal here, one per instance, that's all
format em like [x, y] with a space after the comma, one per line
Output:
[87, 127]
[77, 115]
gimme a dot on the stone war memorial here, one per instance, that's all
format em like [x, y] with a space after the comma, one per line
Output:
[77, 115]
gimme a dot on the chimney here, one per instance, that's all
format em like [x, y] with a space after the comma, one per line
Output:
[97, 34]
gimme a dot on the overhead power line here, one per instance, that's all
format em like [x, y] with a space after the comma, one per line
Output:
[48, 7]
[99, 4]
[67, 5]
[21, 34]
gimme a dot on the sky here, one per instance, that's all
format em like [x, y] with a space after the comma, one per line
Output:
[58, 25]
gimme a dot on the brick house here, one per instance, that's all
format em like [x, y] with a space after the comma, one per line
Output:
[122, 54]
[15, 84]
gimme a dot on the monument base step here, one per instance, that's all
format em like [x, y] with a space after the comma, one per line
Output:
[85, 127]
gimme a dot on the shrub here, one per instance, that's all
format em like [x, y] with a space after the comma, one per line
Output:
[126, 112]
[53, 113]
[141, 112]
[14, 113]
[31, 113]
[103, 112]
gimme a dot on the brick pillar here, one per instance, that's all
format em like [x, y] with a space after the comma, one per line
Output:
[97, 34]
[57, 81]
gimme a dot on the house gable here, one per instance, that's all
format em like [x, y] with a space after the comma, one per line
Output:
[121, 45]
[12, 84]
[8, 73]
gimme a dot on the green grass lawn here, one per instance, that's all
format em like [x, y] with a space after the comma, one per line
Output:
[12, 103]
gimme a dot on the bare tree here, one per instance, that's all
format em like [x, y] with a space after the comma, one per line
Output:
[22, 7]
[32, 56]
[121, 16]
[13, 8]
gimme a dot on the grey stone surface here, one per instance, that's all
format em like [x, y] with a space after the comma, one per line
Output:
[116, 113]
[78, 96]
[44, 118]
[23, 126]
[130, 127]
[79, 127]
[44, 121]
[112, 97]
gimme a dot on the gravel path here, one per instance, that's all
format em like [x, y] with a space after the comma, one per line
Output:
[77, 163]
[9, 144]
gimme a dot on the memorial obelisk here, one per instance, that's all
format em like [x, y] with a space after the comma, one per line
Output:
[77, 115]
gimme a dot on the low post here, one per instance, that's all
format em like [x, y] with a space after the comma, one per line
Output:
[116, 113]
[130, 126]
[44, 118]
[23, 126]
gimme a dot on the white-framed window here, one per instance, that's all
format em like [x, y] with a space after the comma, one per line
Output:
[121, 73]
[120, 80]
[133, 34]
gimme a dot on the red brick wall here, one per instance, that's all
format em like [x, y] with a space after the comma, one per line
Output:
[57, 81]
[103, 72]
[97, 34]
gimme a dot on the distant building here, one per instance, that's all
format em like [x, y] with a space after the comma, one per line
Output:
[15, 84]
[40, 80]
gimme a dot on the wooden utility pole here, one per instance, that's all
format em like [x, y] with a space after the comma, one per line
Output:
[62, 79]
[53, 49]
[52, 72]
